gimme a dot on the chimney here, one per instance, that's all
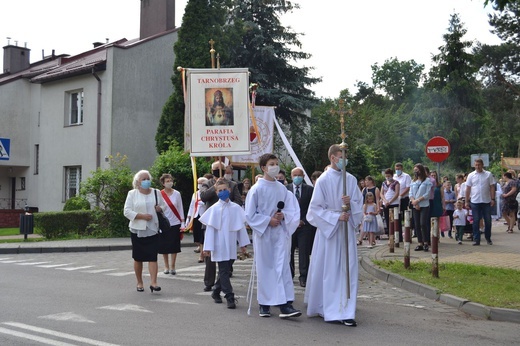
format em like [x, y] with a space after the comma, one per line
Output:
[97, 44]
[16, 58]
[156, 16]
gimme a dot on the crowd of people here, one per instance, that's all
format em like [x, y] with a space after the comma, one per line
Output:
[319, 219]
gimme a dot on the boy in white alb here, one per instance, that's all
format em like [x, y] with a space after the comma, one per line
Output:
[225, 225]
[459, 221]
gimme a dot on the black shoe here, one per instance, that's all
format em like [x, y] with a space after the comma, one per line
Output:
[349, 323]
[140, 289]
[303, 282]
[216, 297]
[426, 247]
[264, 311]
[231, 301]
[287, 311]
[490, 242]
[419, 248]
[207, 288]
[476, 243]
[155, 288]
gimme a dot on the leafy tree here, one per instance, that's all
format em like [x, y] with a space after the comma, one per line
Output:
[201, 22]
[500, 4]
[398, 79]
[268, 49]
[108, 188]
[452, 105]
[176, 162]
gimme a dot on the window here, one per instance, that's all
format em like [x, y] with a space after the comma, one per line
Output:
[72, 181]
[36, 158]
[74, 108]
[22, 183]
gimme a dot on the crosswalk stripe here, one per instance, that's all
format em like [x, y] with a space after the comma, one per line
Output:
[75, 268]
[55, 265]
[17, 261]
[30, 263]
[34, 337]
[97, 271]
[58, 334]
[123, 274]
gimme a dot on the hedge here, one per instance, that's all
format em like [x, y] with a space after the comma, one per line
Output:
[62, 224]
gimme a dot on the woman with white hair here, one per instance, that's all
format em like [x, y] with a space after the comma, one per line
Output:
[141, 207]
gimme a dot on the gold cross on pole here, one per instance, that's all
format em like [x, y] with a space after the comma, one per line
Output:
[341, 112]
[212, 52]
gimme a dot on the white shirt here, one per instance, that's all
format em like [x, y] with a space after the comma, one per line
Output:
[480, 184]
[404, 182]
[461, 220]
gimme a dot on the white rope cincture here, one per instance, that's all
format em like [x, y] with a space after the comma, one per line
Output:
[251, 288]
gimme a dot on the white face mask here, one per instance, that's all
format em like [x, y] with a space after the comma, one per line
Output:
[199, 186]
[168, 185]
[228, 176]
[273, 171]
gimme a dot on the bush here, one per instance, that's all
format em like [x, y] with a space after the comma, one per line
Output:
[76, 203]
[53, 225]
[109, 187]
[176, 162]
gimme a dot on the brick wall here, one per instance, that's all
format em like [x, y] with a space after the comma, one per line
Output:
[10, 217]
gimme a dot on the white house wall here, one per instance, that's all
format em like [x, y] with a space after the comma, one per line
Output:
[141, 87]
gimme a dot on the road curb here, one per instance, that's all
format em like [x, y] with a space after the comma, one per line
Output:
[464, 305]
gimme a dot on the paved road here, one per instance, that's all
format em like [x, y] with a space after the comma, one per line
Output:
[91, 298]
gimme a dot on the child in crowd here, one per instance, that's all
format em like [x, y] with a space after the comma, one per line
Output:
[459, 221]
[369, 219]
[225, 225]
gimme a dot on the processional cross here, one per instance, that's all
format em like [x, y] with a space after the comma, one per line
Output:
[345, 207]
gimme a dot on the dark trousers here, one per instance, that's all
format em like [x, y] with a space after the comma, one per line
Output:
[223, 282]
[302, 239]
[481, 211]
[422, 219]
[386, 211]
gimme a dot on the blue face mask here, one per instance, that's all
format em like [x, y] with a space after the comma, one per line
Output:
[145, 184]
[342, 163]
[398, 172]
[223, 195]
[297, 180]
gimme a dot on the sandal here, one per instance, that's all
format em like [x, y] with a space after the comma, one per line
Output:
[510, 230]
[360, 242]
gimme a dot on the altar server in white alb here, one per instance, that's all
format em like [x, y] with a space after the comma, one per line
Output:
[273, 214]
[326, 291]
[225, 225]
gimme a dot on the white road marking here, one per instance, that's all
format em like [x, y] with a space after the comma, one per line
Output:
[55, 265]
[30, 263]
[125, 307]
[97, 271]
[176, 301]
[122, 274]
[17, 261]
[67, 316]
[34, 338]
[75, 268]
[58, 334]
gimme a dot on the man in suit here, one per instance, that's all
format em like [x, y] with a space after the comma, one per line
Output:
[209, 196]
[303, 238]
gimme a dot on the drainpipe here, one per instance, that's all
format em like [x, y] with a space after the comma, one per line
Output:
[98, 121]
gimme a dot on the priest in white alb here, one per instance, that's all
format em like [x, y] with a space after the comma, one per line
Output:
[326, 291]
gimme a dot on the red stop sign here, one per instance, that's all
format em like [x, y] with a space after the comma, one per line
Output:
[438, 149]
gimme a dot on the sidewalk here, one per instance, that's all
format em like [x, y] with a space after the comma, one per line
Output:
[504, 253]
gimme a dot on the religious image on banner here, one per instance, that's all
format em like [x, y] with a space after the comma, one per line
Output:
[262, 142]
[220, 106]
[217, 110]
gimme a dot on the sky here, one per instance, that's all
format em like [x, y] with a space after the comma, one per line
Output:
[344, 37]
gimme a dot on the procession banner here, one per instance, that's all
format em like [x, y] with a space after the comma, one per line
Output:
[217, 112]
[511, 163]
[262, 142]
